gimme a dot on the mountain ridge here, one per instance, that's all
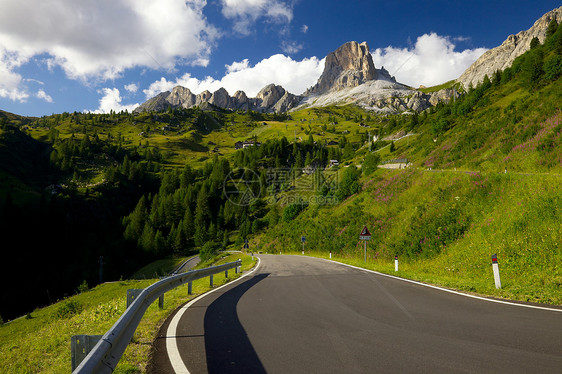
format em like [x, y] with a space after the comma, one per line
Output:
[501, 57]
[350, 77]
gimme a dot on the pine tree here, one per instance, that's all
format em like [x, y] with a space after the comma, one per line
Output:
[552, 27]
[188, 224]
[308, 159]
[146, 240]
[202, 216]
[137, 220]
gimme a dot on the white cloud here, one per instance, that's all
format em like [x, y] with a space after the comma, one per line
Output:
[294, 76]
[431, 61]
[237, 66]
[245, 12]
[304, 29]
[41, 94]
[291, 47]
[11, 82]
[132, 88]
[100, 39]
[111, 100]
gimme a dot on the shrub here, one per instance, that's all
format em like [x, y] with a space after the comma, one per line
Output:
[69, 309]
[208, 251]
[349, 183]
[553, 67]
[293, 210]
[371, 162]
[83, 287]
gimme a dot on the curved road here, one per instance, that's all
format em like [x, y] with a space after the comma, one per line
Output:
[299, 314]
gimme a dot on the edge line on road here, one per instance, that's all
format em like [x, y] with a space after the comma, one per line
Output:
[448, 290]
[171, 345]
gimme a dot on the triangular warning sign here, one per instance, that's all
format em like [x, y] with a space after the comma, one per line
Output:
[365, 232]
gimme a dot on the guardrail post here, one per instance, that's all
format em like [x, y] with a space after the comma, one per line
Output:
[80, 346]
[190, 288]
[226, 273]
[132, 294]
[161, 302]
[104, 355]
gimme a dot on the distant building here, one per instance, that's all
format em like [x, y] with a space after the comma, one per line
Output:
[246, 144]
[250, 143]
[334, 163]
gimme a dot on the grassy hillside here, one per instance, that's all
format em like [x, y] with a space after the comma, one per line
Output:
[485, 179]
[444, 226]
[40, 342]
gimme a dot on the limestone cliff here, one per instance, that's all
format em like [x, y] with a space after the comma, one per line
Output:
[502, 57]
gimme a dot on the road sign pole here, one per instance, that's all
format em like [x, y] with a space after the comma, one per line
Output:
[365, 235]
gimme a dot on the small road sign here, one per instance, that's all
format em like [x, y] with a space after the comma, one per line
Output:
[365, 234]
[303, 239]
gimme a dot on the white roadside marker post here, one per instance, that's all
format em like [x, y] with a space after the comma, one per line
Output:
[395, 263]
[496, 271]
[330, 255]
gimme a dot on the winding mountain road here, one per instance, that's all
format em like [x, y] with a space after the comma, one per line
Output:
[297, 314]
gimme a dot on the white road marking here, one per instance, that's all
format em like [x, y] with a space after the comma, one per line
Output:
[450, 291]
[171, 343]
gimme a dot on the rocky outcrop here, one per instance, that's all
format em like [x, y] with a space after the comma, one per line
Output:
[242, 100]
[157, 103]
[203, 97]
[181, 96]
[269, 95]
[349, 77]
[222, 99]
[502, 57]
[271, 98]
[349, 66]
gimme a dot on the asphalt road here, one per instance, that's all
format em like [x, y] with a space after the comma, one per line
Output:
[304, 315]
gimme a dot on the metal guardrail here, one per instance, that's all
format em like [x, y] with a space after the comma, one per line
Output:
[103, 358]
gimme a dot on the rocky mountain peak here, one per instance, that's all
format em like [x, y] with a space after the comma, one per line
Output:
[348, 66]
[502, 57]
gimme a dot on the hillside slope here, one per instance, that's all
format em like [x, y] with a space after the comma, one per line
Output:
[484, 179]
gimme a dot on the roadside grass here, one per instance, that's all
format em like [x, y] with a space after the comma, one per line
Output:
[40, 343]
[444, 226]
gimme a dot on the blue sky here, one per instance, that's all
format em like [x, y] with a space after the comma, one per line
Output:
[98, 55]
